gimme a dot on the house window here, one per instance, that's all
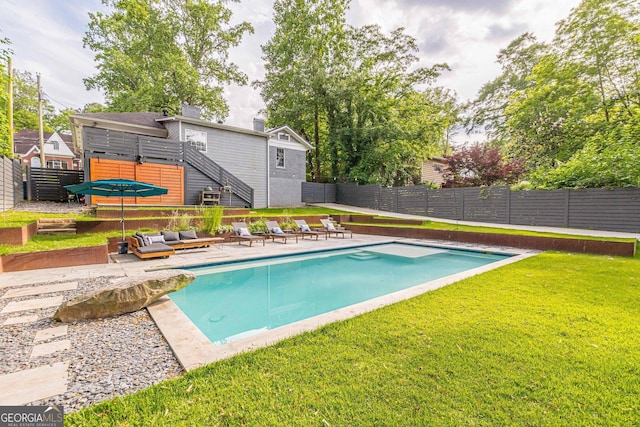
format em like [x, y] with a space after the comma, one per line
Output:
[280, 158]
[197, 139]
[283, 137]
[56, 145]
[56, 164]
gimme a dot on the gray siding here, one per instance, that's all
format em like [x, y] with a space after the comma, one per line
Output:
[173, 128]
[243, 155]
[285, 192]
[286, 183]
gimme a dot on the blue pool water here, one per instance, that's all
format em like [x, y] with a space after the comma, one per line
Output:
[233, 301]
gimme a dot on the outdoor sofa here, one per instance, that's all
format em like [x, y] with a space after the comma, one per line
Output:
[165, 243]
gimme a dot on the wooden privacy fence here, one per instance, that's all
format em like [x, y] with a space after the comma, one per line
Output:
[595, 208]
[10, 183]
[47, 185]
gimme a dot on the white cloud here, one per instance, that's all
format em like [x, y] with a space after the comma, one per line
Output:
[467, 34]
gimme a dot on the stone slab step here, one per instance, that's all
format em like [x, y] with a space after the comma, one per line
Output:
[22, 387]
[49, 347]
[32, 304]
[37, 290]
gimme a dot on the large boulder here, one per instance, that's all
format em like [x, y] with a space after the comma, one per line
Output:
[124, 295]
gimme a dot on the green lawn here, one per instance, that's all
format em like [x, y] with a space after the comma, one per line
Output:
[548, 341]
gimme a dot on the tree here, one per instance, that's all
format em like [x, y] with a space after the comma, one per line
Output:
[602, 37]
[25, 103]
[155, 54]
[549, 120]
[5, 52]
[303, 59]
[346, 88]
[480, 164]
[517, 61]
[609, 160]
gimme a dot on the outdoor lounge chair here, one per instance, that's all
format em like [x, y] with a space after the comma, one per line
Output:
[242, 233]
[305, 230]
[331, 229]
[144, 248]
[275, 232]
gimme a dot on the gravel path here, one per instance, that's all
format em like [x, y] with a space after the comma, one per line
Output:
[108, 357]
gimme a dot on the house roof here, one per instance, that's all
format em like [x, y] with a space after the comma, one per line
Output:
[26, 141]
[274, 132]
[213, 125]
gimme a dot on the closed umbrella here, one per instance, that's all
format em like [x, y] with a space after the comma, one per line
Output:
[117, 188]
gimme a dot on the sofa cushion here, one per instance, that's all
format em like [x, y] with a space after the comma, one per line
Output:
[156, 247]
[170, 236]
[189, 234]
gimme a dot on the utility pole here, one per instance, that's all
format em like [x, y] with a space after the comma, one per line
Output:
[43, 163]
[10, 109]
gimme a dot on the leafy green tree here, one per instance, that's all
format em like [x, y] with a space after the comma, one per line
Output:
[488, 109]
[351, 91]
[5, 52]
[303, 60]
[549, 120]
[155, 54]
[60, 121]
[609, 160]
[602, 37]
[25, 103]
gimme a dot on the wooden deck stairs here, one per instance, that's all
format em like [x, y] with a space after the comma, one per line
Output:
[56, 226]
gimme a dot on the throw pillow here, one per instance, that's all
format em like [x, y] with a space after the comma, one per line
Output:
[305, 228]
[189, 234]
[155, 239]
[140, 239]
[330, 226]
[170, 236]
[277, 230]
[243, 232]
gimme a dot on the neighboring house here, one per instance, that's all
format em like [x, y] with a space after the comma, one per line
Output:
[188, 155]
[433, 171]
[58, 150]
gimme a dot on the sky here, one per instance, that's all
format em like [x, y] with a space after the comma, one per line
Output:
[46, 37]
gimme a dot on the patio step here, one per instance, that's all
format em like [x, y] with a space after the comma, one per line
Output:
[56, 226]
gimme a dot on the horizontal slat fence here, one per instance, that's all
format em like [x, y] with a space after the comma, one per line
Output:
[47, 185]
[595, 208]
[10, 183]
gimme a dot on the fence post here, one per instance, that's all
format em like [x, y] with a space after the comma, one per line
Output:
[567, 196]
[508, 204]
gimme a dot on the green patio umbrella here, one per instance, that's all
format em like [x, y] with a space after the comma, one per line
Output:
[117, 188]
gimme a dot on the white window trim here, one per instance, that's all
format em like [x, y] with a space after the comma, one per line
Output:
[284, 158]
[282, 135]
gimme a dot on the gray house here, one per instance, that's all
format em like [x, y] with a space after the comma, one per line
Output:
[250, 167]
[287, 166]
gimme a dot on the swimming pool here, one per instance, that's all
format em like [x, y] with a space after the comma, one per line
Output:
[233, 301]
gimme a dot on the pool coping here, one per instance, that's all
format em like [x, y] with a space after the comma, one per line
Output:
[193, 349]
